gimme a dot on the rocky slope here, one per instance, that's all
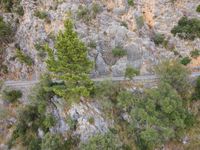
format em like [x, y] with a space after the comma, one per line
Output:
[103, 25]
[116, 24]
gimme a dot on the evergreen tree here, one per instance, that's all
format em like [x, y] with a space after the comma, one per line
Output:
[69, 63]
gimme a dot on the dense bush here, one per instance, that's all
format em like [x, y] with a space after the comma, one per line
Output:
[34, 116]
[119, 52]
[187, 28]
[23, 58]
[52, 142]
[12, 95]
[70, 64]
[158, 117]
[131, 72]
[185, 60]
[108, 141]
[175, 74]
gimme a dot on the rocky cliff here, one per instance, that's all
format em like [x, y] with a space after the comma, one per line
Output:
[115, 24]
[104, 26]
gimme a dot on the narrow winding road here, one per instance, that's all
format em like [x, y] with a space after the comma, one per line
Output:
[142, 79]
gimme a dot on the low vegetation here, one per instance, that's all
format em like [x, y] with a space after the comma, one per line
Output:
[12, 6]
[131, 2]
[41, 52]
[198, 9]
[24, 58]
[87, 14]
[176, 75]
[159, 39]
[186, 60]
[107, 141]
[33, 117]
[11, 96]
[41, 14]
[119, 52]
[195, 53]
[5, 31]
[139, 21]
[187, 28]
[92, 44]
[196, 94]
[131, 72]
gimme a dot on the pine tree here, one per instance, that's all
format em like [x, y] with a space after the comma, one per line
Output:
[69, 63]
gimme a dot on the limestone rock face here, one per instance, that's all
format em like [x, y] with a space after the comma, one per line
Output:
[117, 24]
[89, 119]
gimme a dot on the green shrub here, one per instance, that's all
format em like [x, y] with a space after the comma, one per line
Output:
[12, 96]
[84, 14]
[41, 14]
[96, 8]
[198, 9]
[108, 141]
[23, 58]
[130, 2]
[125, 100]
[5, 31]
[159, 39]
[187, 28]
[195, 53]
[185, 61]
[91, 120]
[131, 72]
[119, 52]
[52, 142]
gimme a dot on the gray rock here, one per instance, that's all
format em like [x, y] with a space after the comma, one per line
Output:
[119, 68]
[101, 66]
[82, 113]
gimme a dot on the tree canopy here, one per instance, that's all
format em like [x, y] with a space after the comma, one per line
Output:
[68, 62]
